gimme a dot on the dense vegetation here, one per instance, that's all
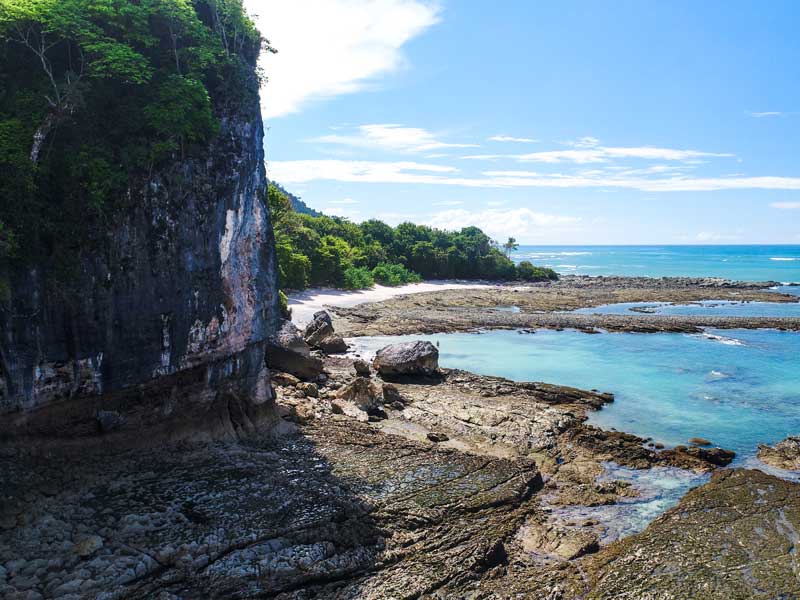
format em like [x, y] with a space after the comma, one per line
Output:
[331, 251]
[96, 94]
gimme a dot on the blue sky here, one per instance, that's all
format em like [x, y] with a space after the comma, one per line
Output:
[556, 122]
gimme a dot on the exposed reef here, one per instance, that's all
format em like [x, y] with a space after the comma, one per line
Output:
[544, 305]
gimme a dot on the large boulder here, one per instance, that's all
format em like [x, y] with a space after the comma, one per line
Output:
[333, 344]
[408, 358]
[287, 351]
[320, 327]
[319, 334]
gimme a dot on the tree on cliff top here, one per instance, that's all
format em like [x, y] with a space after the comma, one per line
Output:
[95, 95]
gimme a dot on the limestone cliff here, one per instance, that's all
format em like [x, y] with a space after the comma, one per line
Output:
[171, 315]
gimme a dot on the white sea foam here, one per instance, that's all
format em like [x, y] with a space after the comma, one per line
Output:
[728, 341]
[784, 258]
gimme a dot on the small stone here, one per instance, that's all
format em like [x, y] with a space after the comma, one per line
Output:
[361, 367]
[284, 379]
[437, 437]
[698, 441]
[109, 420]
[88, 546]
[309, 389]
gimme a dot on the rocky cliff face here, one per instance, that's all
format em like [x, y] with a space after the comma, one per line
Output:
[171, 315]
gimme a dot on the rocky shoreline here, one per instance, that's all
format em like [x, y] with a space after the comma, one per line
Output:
[544, 306]
[392, 480]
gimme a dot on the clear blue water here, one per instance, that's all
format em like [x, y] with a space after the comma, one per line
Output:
[714, 308]
[737, 388]
[745, 263]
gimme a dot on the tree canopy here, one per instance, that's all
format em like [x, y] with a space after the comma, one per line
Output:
[95, 93]
[331, 251]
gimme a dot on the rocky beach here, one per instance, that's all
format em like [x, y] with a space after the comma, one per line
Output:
[395, 479]
[211, 390]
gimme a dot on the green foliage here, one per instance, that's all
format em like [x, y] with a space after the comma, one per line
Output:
[283, 305]
[342, 254]
[95, 95]
[357, 278]
[294, 268]
[394, 274]
[527, 272]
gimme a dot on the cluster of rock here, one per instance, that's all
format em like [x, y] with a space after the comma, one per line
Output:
[293, 352]
[783, 455]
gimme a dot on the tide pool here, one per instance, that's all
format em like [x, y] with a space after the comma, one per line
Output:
[714, 308]
[737, 388]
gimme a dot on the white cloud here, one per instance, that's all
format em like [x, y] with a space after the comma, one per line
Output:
[448, 203]
[786, 205]
[511, 138]
[391, 137]
[601, 154]
[588, 151]
[331, 47]
[768, 113]
[584, 142]
[711, 236]
[303, 171]
[522, 223]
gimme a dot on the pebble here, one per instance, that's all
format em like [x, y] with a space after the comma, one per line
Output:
[88, 546]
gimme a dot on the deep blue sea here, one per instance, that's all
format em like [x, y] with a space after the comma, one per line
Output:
[745, 263]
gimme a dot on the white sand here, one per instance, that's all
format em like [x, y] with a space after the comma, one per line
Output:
[306, 303]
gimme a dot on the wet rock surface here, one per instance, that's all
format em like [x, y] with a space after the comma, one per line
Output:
[783, 455]
[540, 306]
[329, 505]
[735, 537]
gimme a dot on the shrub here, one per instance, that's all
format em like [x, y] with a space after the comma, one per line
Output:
[283, 303]
[357, 278]
[394, 274]
[527, 272]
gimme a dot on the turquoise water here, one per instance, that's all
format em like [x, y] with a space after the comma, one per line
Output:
[714, 308]
[746, 263]
[737, 388]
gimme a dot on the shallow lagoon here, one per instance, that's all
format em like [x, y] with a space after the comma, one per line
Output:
[737, 388]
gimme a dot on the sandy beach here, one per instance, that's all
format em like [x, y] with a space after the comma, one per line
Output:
[305, 304]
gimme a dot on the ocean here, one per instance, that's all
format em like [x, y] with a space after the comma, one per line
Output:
[744, 263]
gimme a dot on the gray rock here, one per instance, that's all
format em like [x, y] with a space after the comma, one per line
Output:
[88, 546]
[318, 329]
[288, 351]
[109, 420]
[309, 389]
[361, 392]
[333, 344]
[438, 436]
[361, 367]
[409, 358]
